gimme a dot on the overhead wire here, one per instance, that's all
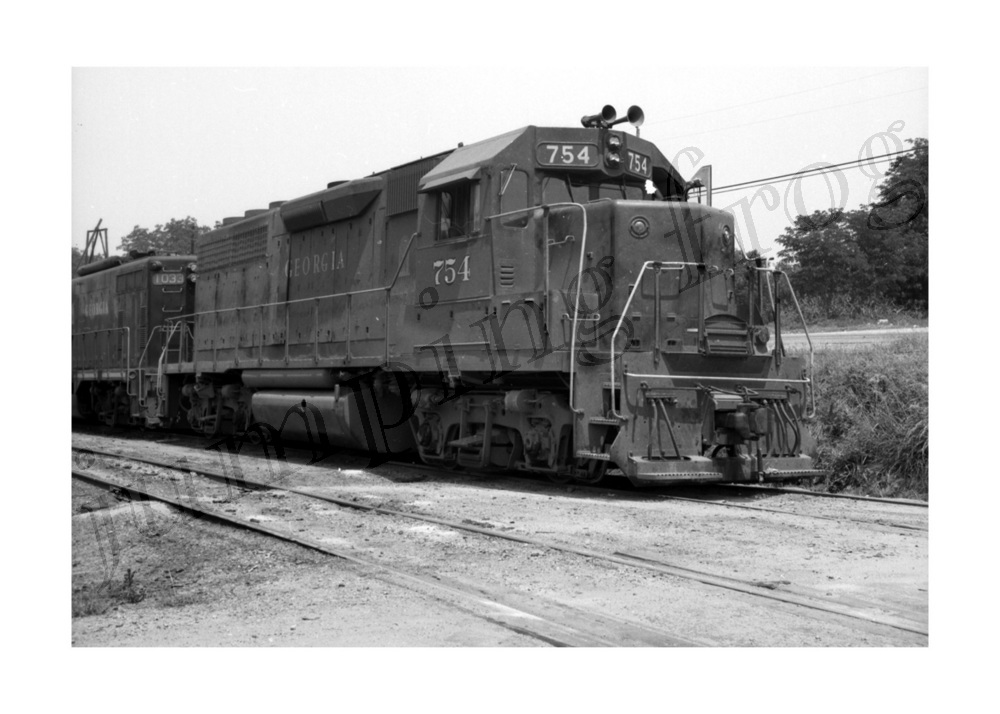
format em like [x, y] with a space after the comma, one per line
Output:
[817, 171]
[775, 98]
[795, 114]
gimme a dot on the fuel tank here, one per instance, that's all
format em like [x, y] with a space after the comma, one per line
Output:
[360, 417]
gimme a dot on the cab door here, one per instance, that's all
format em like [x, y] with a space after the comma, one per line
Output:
[519, 257]
[453, 266]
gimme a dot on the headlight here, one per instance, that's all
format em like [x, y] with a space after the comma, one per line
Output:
[727, 239]
[613, 160]
[639, 227]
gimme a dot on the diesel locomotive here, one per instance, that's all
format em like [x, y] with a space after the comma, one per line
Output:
[551, 300]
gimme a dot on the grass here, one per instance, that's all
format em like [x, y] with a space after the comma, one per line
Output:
[99, 600]
[847, 313]
[872, 419]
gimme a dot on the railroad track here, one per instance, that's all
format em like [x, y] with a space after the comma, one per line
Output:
[546, 485]
[545, 620]
[658, 493]
[879, 523]
[824, 494]
[799, 598]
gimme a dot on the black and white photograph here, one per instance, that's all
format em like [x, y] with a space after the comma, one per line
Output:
[456, 343]
[510, 378]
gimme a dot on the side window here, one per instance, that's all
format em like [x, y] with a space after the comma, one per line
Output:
[458, 210]
[513, 190]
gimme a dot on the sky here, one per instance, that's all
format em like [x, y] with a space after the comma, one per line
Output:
[149, 145]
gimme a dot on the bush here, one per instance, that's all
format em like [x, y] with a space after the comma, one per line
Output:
[97, 601]
[872, 419]
[845, 311]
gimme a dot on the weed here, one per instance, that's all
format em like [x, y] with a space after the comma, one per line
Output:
[99, 600]
[872, 422]
[129, 590]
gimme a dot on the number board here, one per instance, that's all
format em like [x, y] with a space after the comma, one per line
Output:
[563, 154]
[168, 278]
[639, 164]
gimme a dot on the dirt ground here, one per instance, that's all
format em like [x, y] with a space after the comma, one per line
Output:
[195, 582]
[149, 575]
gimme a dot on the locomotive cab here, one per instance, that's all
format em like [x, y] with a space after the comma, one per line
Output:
[614, 302]
[120, 313]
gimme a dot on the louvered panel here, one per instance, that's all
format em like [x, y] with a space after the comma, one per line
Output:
[506, 275]
[401, 193]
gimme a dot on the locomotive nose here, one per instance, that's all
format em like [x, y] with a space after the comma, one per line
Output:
[673, 271]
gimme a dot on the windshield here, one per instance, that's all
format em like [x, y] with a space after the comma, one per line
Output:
[559, 189]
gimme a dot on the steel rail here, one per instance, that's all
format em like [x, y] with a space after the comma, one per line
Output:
[825, 494]
[659, 566]
[495, 475]
[901, 526]
[558, 488]
[552, 631]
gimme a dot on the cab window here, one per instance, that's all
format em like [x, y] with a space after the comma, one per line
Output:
[621, 191]
[458, 210]
[513, 190]
[556, 189]
[514, 198]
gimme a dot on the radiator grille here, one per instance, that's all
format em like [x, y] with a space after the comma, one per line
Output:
[246, 246]
[401, 191]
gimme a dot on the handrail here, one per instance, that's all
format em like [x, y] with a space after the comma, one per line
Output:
[579, 280]
[315, 300]
[307, 299]
[660, 265]
[128, 342]
[717, 377]
[576, 312]
[175, 328]
[276, 304]
[805, 329]
[152, 333]
[777, 337]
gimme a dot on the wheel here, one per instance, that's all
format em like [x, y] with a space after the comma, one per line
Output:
[590, 471]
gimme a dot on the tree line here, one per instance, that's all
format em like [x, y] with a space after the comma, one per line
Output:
[177, 236]
[875, 254]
